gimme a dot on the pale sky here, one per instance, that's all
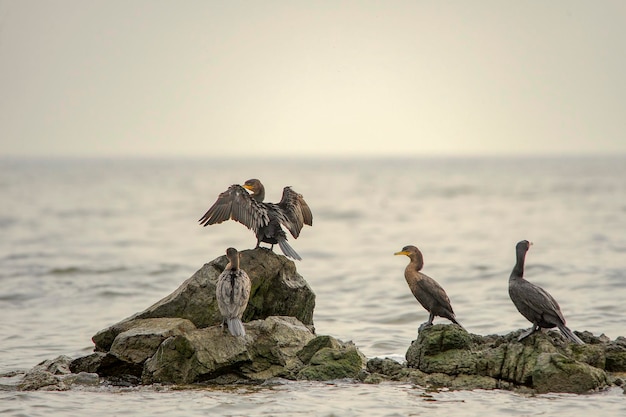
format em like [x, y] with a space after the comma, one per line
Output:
[321, 78]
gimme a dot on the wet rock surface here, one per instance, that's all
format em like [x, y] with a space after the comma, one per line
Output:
[447, 356]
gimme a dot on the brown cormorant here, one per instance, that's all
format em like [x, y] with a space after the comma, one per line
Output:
[539, 307]
[232, 293]
[264, 219]
[425, 289]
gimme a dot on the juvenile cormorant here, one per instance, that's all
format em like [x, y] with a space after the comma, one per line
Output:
[264, 219]
[232, 293]
[425, 289]
[539, 307]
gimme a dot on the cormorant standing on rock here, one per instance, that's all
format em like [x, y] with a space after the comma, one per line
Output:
[232, 293]
[539, 307]
[425, 289]
[264, 219]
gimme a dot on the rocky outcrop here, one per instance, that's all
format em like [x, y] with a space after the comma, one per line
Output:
[277, 290]
[278, 346]
[180, 339]
[446, 355]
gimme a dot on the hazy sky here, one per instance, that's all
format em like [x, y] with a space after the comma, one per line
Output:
[211, 78]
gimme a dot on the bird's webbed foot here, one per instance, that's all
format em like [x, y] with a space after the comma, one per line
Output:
[424, 326]
[527, 333]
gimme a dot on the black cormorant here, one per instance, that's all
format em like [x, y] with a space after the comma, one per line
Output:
[232, 293]
[539, 307]
[264, 219]
[425, 289]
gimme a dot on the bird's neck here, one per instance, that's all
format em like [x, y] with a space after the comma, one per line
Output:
[417, 262]
[518, 269]
[259, 195]
[233, 265]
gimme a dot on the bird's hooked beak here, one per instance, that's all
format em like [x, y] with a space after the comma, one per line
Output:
[402, 252]
[247, 187]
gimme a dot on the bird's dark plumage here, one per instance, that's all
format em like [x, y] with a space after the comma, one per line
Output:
[425, 289]
[265, 219]
[232, 293]
[533, 302]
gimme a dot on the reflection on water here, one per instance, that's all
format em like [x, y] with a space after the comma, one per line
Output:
[87, 243]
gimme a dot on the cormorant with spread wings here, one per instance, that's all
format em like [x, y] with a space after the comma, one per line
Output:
[264, 219]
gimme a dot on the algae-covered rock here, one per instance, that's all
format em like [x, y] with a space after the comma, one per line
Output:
[277, 290]
[615, 355]
[332, 359]
[268, 350]
[378, 370]
[144, 336]
[554, 372]
[442, 349]
[544, 362]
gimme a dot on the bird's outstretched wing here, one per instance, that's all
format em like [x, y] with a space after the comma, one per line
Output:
[236, 204]
[296, 211]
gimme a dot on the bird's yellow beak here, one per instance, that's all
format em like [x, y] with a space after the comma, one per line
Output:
[247, 187]
[402, 253]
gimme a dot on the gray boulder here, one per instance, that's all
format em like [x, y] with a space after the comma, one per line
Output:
[277, 290]
[55, 375]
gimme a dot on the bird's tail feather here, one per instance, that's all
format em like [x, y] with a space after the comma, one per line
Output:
[454, 320]
[288, 250]
[570, 335]
[235, 327]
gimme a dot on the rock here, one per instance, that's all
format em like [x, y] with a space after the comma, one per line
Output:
[55, 375]
[131, 348]
[47, 375]
[385, 366]
[90, 363]
[277, 290]
[268, 350]
[444, 350]
[616, 355]
[144, 337]
[543, 361]
[555, 372]
[329, 358]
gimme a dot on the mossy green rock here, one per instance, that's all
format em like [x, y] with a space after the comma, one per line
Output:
[332, 359]
[442, 348]
[545, 362]
[268, 350]
[616, 355]
[555, 372]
